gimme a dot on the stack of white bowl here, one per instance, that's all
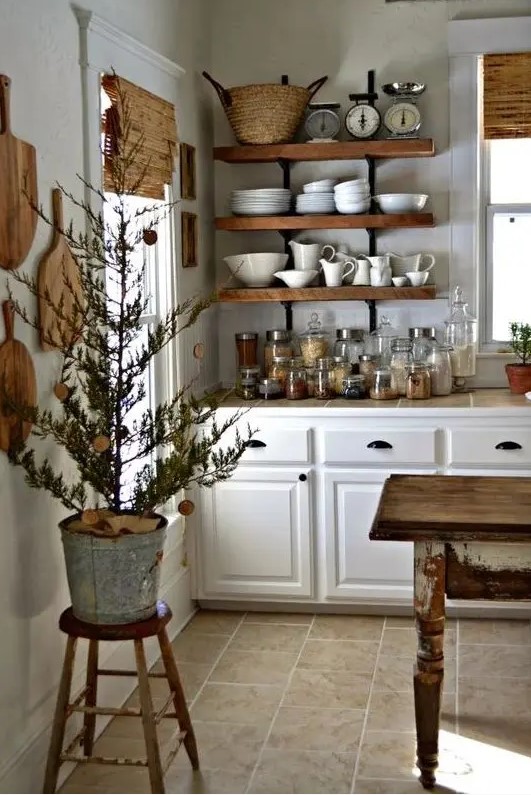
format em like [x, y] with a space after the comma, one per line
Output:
[353, 196]
[317, 197]
[261, 201]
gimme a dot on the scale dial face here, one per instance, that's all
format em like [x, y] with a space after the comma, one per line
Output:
[322, 124]
[362, 121]
[402, 118]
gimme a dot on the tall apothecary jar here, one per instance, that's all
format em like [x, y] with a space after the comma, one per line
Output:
[461, 334]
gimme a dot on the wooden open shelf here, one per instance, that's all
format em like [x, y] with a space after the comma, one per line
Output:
[339, 150]
[344, 293]
[239, 223]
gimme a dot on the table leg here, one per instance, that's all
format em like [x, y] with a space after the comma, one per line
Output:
[430, 572]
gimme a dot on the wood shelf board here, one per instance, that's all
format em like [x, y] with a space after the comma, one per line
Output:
[340, 150]
[344, 293]
[238, 223]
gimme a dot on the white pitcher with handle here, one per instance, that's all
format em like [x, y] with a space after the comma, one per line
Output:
[380, 273]
[362, 276]
[305, 255]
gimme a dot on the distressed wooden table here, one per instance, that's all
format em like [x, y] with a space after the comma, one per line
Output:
[472, 540]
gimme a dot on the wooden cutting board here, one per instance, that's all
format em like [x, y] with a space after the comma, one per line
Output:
[18, 173]
[58, 276]
[17, 380]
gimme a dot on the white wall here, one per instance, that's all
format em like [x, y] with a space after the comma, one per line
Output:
[39, 51]
[257, 42]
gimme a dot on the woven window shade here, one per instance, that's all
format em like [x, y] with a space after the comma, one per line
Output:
[507, 95]
[151, 131]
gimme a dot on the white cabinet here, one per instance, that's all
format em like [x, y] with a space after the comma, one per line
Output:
[256, 534]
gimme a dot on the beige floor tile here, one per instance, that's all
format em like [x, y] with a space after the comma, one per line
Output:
[347, 628]
[339, 655]
[502, 661]
[254, 667]
[193, 675]
[387, 753]
[104, 778]
[205, 781]
[395, 712]
[131, 728]
[215, 622]
[256, 617]
[303, 772]
[396, 674]
[226, 746]
[477, 630]
[411, 786]
[273, 637]
[497, 712]
[309, 688]
[254, 704]
[308, 729]
[401, 642]
[408, 622]
[194, 647]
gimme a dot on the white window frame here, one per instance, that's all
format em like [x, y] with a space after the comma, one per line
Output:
[468, 40]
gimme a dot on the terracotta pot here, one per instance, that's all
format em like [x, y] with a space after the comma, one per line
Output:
[519, 377]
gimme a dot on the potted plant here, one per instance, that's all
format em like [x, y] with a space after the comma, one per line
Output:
[519, 373]
[126, 460]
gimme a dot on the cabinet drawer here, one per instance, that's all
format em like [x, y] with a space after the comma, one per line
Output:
[500, 447]
[272, 443]
[382, 447]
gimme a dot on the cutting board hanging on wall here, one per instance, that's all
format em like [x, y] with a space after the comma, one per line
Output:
[18, 177]
[17, 382]
[58, 276]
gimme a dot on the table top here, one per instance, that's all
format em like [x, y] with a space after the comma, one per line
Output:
[454, 508]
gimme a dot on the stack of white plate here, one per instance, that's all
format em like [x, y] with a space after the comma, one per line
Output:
[321, 186]
[262, 201]
[353, 196]
[320, 203]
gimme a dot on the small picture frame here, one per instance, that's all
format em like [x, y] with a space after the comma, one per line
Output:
[187, 168]
[190, 257]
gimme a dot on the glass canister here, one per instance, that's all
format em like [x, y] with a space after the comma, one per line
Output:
[369, 363]
[278, 343]
[313, 342]
[423, 339]
[354, 387]
[401, 357]
[246, 348]
[383, 388]
[462, 335]
[247, 382]
[418, 381]
[349, 344]
[323, 383]
[296, 383]
[270, 389]
[310, 380]
[379, 341]
[279, 369]
[341, 368]
[441, 369]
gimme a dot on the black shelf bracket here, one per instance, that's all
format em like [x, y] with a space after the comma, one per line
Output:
[288, 309]
[371, 303]
[285, 165]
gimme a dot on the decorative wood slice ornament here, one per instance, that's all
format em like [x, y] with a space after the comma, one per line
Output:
[186, 507]
[90, 516]
[18, 384]
[150, 237]
[61, 392]
[58, 277]
[199, 350]
[101, 443]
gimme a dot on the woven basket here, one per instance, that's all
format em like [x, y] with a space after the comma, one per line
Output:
[265, 113]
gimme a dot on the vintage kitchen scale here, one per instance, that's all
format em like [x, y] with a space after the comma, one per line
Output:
[322, 123]
[403, 118]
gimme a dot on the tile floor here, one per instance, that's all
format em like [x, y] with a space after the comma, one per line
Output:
[293, 703]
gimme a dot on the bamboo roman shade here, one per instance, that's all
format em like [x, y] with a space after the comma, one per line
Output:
[151, 137]
[507, 95]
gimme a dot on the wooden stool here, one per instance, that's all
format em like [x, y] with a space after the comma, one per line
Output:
[86, 701]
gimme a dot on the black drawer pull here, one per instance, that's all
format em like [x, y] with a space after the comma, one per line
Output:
[508, 446]
[379, 444]
[255, 443]
[303, 477]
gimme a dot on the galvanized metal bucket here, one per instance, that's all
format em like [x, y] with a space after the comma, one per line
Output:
[113, 580]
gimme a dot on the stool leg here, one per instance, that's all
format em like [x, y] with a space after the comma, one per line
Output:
[179, 700]
[59, 720]
[156, 777]
[89, 721]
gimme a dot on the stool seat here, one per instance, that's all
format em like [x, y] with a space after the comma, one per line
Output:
[85, 703]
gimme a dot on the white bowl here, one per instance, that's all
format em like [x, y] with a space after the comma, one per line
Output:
[350, 183]
[399, 281]
[352, 208]
[256, 270]
[417, 278]
[320, 186]
[401, 202]
[297, 278]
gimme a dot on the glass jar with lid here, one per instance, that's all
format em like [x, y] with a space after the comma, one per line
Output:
[383, 388]
[369, 363]
[341, 368]
[441, 369]
[270, 389]
[313, 342]
[418, 381]
[354, 387]
[379, 341]
[401, 357]
[296, 387]
[461, 333]
[278, 343]
[423, 339]
[323, 383]
[247, 382]
[279, 369]
[349, 344]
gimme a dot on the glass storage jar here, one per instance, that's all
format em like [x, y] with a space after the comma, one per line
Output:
[383, 389]
[354, 387]
[418, 381]
[247, 382]
[379, 341]
[246, 348]
[270, 389]
[310, 380]
[323, 383]
[349, 344]
[441, 369]
[423, 339]
[278, 343]
[279, 369]
[401, 357]
[313, 342]
[369, 363]
[341, 368]
[296, 383]
[461, 334]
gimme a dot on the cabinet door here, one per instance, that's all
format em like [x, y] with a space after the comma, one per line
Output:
[356, 567]
[256, 534]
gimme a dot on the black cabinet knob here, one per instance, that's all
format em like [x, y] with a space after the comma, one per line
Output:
[255, 443]
[303, 477]
[379, 444]
[508, 446]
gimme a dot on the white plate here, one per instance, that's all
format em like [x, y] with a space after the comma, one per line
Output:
[259, 212]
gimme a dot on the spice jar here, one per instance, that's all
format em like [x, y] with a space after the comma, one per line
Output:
[418, 381]
[278, 343]
[440, 369]
[401, 357]
[354, 387]
[423, 339]
[342, 368]
[279, 369]
[246, 348]
[383, 388]
[313, 342]
[349, 344]
[269, 389]
[247, 382]
[369, 363]
[296, 384]
[323, 384]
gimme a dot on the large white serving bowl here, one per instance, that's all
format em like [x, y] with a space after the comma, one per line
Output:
[257, 269]
[401, 202]
[295, 279]
[353, 208]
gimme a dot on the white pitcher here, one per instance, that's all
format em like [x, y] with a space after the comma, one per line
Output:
[305, 255]
[381, 274]
[336, 272]
[340, 253]
[362, 276]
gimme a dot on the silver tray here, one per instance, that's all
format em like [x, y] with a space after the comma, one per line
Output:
[400, 89]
